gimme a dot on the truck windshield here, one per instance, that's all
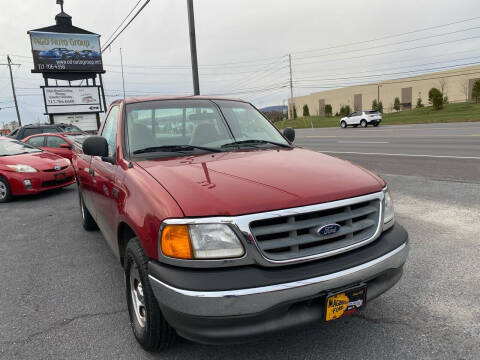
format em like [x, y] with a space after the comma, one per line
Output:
[161, 126]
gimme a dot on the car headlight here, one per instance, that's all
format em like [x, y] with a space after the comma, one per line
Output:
[22, 168]
[200, 241]
[68, 161]
[388, 212]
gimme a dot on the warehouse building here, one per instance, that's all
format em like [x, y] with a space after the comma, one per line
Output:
[456, 84]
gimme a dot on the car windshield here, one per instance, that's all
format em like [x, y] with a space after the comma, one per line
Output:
[14, 147]
[185, 126]
[70, 128]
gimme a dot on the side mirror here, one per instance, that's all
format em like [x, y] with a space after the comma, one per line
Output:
[65, 146]
[95, 146]
[289, 134]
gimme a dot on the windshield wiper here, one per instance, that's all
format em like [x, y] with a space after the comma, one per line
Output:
[175, 148]
[253, 141]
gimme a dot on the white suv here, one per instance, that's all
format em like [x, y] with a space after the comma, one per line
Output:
[362, 118]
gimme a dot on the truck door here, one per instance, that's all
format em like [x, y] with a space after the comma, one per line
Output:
[104, 177]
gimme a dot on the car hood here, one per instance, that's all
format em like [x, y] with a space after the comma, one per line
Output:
[40, 161]
[243, 182]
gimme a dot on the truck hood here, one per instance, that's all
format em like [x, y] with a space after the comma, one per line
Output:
[244, 182]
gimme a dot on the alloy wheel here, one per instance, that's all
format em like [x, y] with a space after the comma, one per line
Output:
[3, 190]
[136, 292]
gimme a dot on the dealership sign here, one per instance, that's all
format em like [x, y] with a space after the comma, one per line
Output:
[72, 99]
[64, 52]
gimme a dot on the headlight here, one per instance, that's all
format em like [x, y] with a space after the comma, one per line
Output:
[68, 161]
[22, 168]
[200, 241]
[388, 212]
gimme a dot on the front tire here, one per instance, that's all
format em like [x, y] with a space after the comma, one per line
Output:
[88, 222]
[148, 324]
[363, 123]
[5, 191]
[343, 124]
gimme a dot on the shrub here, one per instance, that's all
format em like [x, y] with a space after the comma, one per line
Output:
[328, 110]
[380, 107]
[435, 97]
[374, 104]
[419, 102]
[476, 91]
[295, 112]
[345, 110]
[396, 104]
[306, 111]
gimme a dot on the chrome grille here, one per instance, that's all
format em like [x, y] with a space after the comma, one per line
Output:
[296, 236]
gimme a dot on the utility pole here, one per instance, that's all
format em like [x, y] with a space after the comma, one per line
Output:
[292, 105]
[9, 64]
[123, 77]
[193, 48]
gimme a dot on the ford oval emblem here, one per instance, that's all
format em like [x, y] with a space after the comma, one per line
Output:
[329, 229]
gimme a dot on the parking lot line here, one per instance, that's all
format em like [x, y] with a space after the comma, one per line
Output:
[406, 155]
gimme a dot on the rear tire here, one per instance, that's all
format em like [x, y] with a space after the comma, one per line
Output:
[5, 191]
[343, 124]
[148, 324]
[363, 123]
[88, 222]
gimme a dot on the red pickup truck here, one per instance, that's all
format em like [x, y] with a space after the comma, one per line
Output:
[225, 229]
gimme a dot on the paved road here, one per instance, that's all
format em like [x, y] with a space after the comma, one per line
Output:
[62, 293]
[437, 151]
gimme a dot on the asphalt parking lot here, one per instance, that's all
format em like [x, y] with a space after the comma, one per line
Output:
[62, 293]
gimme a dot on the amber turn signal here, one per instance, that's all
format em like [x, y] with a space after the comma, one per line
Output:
[176, 242]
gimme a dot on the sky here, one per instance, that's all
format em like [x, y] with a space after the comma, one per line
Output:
[243, 45]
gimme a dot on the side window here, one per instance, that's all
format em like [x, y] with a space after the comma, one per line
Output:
[55, 141]
[31, 131]
[109, 131]
[13, 133]
[36, 141]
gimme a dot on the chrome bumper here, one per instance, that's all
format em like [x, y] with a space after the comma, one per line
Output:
[255, 300]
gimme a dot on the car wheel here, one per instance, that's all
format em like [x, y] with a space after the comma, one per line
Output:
[363, 123]
[5, 192]
[148, 324]
[343, 125]
[88, 222]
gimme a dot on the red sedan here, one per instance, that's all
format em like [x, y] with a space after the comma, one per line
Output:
[61, 144]
[28, 170]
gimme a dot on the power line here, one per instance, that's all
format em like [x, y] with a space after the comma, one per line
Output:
[123, 21]
[121, 31]
[390, 52]
[401, 67]
[389, 74]
[389, 44]
[388, 36]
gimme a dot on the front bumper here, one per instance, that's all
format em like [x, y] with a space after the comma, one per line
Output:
[40, 181]
[236, 314]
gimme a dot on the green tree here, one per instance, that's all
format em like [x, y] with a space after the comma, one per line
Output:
[374, 104]
[328, 110]
[345, 110]
[419, 102]
[295, 112]
[435, 97]
[476, 91]
[396, 104]
[306, 111]
[380, 107]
